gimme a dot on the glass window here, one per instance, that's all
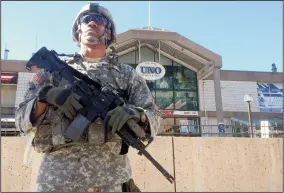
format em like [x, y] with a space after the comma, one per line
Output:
[186, 101]
[188, 126]
[167, 125]
[167, 81]
[151, 84]
[164, 99]
[153, 94]
[184, 78]
[146, 54]
[128, 58]
[163, 60]
[8, 95]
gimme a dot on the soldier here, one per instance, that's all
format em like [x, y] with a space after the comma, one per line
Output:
[90, 164]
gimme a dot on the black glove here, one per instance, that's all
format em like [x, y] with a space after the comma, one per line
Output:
[118, 117]
[66, 100]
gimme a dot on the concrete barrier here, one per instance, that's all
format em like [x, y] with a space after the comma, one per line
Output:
[198, 164]
[228, 164]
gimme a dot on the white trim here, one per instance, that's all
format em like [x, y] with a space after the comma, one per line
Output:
[161, 52]
[124, 43]
[127, 51]
[172, 58]
[187, 52]
[206, 73]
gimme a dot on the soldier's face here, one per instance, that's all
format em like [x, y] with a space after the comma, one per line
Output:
[92, 27]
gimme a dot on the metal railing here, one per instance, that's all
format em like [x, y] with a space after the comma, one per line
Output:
[8, 129]
[213, 131]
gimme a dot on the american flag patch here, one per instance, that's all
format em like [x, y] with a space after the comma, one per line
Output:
[37, 76]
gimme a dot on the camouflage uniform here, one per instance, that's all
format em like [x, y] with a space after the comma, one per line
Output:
[89, 164]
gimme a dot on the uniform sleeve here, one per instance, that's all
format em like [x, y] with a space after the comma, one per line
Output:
[141, 96]
[23, 112]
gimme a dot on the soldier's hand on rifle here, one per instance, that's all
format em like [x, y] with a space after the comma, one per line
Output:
[66, 100]
[119, 116]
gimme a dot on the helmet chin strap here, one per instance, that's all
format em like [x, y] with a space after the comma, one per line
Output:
[101, 39]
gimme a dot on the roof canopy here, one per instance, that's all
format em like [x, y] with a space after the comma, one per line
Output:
[171, 45]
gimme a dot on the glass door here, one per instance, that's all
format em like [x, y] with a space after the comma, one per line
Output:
[188, 125]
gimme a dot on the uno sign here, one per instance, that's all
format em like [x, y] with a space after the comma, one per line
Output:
[151, 70]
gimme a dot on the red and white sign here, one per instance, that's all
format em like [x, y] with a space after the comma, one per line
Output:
[6, 77]
[173, 112]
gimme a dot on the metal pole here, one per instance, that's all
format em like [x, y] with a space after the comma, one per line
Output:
[139, 52]
[149, 12]
[250, 121]
[159, 52]
[0, 94]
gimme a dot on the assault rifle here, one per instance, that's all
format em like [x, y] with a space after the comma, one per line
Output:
[102, 100]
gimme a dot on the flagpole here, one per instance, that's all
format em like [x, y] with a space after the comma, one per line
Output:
[149, 11]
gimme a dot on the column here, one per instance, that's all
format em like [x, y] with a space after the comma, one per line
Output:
[218, 95]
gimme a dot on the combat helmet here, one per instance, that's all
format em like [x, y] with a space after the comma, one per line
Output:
[95, 7]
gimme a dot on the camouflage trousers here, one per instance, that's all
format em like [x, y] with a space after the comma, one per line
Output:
[73, 188]
[128, 186]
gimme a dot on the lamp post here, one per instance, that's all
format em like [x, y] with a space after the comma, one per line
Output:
[248, 99]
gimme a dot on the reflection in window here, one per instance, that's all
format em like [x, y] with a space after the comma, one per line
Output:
[188, 126]
[184, 78]
[163, 60]
[164, 99]
[167, 81]
[153, 94]
[151, 84]
[167, 125]
[186, 101]
[146, 54]
[128, 58]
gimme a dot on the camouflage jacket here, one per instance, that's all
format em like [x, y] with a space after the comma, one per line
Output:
[89, 161]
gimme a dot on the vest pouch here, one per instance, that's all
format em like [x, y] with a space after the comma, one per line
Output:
[96, 132]
[42, 141]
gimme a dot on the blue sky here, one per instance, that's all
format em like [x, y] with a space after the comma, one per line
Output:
[248, 35]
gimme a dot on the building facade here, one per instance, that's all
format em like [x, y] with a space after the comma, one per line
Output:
[190, 89]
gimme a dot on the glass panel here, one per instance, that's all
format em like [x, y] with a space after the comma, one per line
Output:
[184, 78]
[164, 60]
[128, 58]
[153, 94]
[8, 95]
[132, 65]
[151, 84]
[167, 125]
[167, 81]
[186, 101]
[187, 125]
[146, 54]
[164, 99]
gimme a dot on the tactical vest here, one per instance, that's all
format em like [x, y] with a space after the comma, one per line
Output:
[49, 134]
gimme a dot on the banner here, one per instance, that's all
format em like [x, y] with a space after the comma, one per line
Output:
[270, 97]
[173, 112]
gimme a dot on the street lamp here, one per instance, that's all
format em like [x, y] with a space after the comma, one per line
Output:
[248, 99]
